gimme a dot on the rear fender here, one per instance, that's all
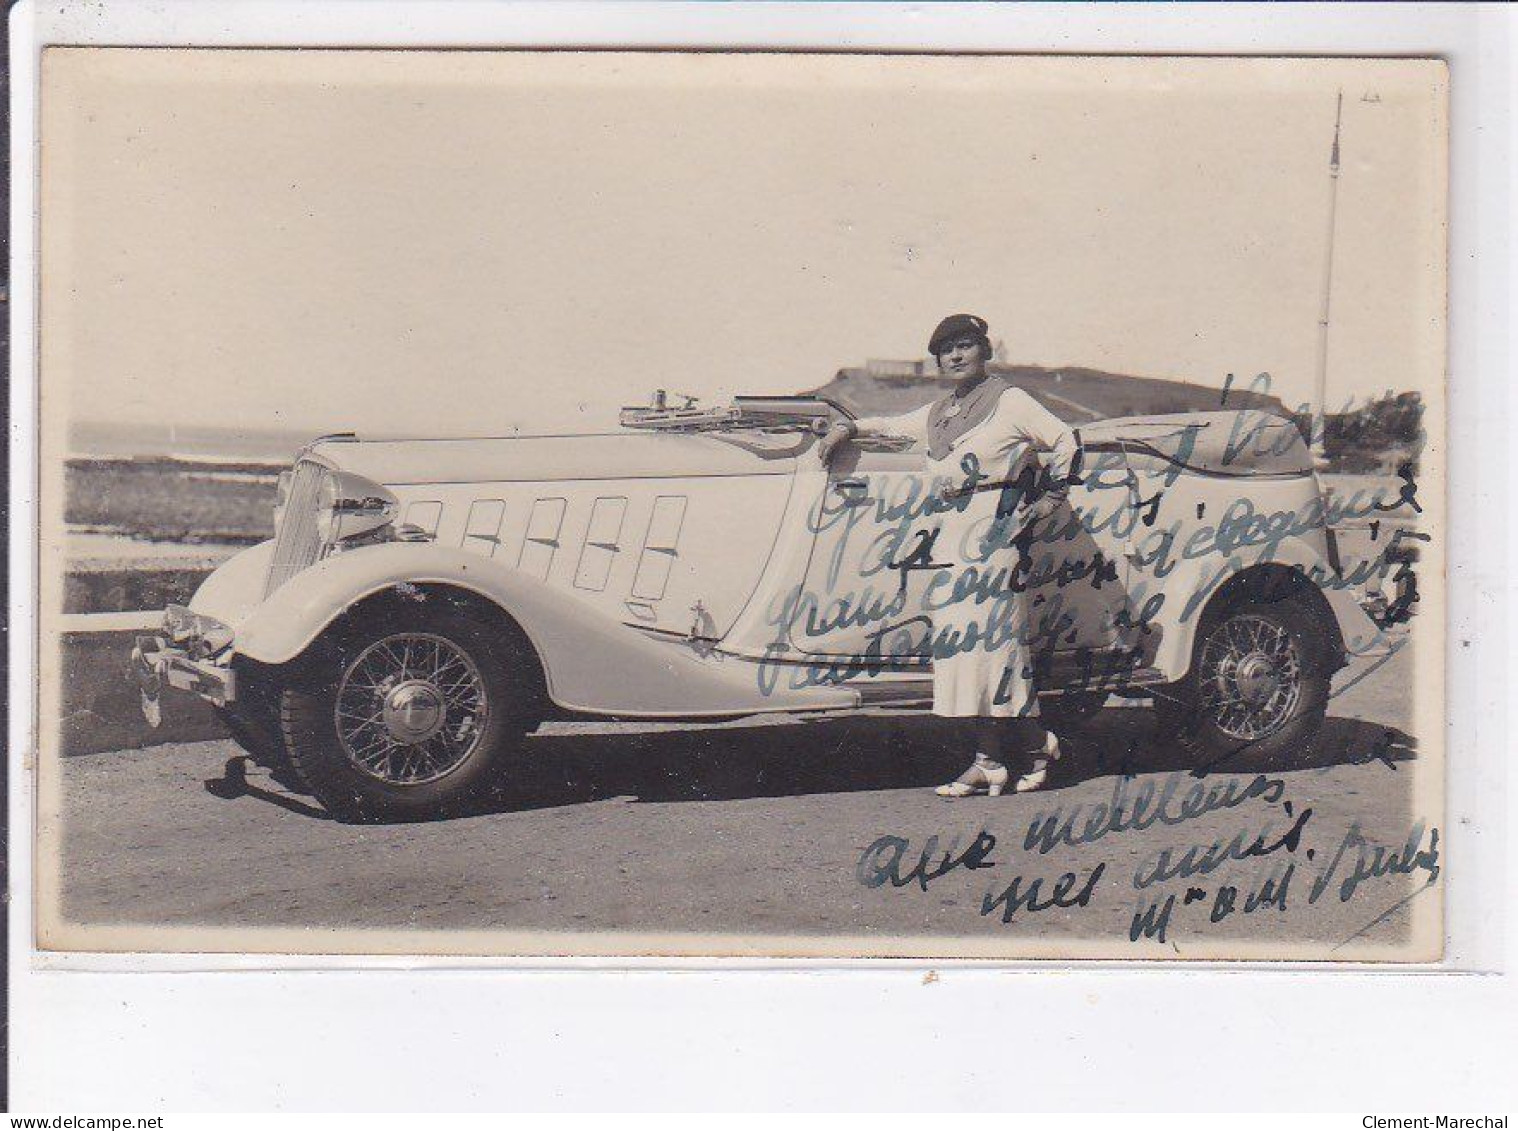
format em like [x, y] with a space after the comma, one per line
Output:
[1193, 586]
[591, 662]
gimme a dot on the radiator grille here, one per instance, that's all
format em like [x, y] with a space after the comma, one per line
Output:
[296, 543]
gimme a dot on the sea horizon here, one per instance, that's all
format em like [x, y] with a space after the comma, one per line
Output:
[108, 439]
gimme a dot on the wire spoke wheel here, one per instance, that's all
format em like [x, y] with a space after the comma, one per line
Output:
[1251, 677]
[410, 708]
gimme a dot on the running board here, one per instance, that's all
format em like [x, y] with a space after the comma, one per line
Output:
[917, 692]
[901, 693]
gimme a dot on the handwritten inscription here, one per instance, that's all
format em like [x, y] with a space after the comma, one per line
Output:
[1156, 526]
[1112, 570]
[1251, 867]
[886, 861]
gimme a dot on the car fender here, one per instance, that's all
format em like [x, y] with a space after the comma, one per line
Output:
[235, 588]
[592, 662]
[1193, 583]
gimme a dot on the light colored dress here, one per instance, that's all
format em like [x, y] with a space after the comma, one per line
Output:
[982, 662]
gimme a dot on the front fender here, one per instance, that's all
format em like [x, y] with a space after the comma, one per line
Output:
[1193, 583]
[235, 588]
[592, 661]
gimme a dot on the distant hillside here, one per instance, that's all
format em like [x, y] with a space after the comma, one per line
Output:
[1075, 395]
[1382, 435]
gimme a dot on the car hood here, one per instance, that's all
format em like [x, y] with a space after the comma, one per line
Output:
[617, 455]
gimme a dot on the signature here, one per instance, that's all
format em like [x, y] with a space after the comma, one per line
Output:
[1104, 571]
[891, 860]
[1176, 799]
[1249, 868]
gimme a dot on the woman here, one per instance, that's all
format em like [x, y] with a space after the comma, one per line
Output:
[984, 439]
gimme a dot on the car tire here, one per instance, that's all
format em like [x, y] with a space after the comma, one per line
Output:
[1257, 690]
[252, 720]
[258, 734]
[406, 716]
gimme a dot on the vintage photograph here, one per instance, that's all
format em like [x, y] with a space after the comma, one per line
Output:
[519, 503]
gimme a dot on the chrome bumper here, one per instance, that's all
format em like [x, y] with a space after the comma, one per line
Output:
[157, 663]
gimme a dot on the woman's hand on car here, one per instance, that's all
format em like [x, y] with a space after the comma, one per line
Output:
[837, 434]
[1045, 506]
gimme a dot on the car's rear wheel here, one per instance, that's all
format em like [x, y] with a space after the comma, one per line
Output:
[406, 718]
[1258, 686]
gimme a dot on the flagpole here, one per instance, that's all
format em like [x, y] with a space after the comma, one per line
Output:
[1321, 398]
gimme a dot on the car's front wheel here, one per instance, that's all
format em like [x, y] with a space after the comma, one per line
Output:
[1258, 686]
[406, 717]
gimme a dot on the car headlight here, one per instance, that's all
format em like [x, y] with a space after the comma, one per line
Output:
[350, 506]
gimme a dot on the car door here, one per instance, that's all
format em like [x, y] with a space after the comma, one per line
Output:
[870, 580]
[862, 593]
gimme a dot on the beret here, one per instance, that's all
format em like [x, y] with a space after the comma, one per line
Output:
[957, 326]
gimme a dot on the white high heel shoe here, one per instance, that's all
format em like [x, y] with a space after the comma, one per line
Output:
[979, 778]
[1036, 777]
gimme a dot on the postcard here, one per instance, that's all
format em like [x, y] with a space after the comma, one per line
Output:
[521, 503]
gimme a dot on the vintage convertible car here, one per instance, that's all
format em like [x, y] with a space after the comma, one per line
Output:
[425, 604]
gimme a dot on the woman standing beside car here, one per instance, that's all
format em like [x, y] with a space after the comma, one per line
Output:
[1007, 460]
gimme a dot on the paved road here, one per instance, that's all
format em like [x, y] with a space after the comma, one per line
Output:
[758, 829]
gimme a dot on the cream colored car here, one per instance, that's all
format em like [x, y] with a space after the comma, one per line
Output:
[426, 604]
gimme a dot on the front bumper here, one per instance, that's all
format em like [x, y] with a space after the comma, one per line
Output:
[158, 663]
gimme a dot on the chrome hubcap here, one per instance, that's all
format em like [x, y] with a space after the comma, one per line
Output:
[1250, 677]
[1256, 678]
[413, 712]
[410, 708]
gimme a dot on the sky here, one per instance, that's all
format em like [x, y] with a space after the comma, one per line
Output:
[476, 242]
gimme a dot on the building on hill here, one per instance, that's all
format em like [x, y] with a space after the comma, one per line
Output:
[896, 370]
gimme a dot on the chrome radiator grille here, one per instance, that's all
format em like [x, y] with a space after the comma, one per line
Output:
[297, 545]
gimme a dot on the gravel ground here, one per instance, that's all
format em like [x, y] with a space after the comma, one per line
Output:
[755, 832]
